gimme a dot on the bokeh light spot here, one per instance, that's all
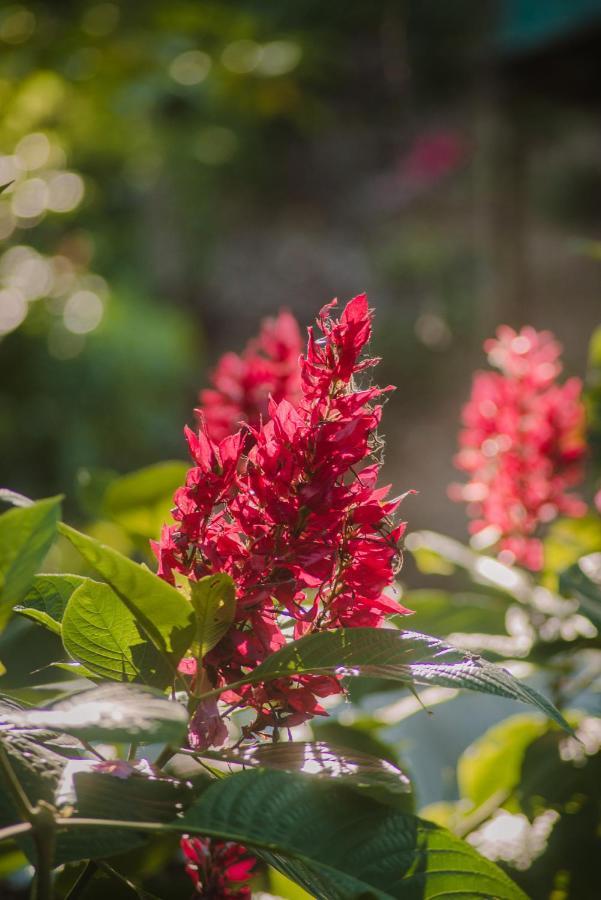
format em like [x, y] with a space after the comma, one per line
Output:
[83, 312]
[242, 57]
[33, 151]
[13, 309]
[279, 58]
[30, 198]
[65, 191]
[17, 24]
[191, 67]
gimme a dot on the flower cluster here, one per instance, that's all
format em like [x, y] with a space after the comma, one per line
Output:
[243, 384]
[291, 511]
[522, 445]
[218, 869]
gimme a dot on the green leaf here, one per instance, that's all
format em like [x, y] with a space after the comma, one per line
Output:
[25, 537]
[141, 501]
[566, 541]
[442, 554]
[214, 602]
[37, 767]
[404, 656]
[100, 632]
[560, 790]
[442, 612]
[165, 615]
[112, 713]
[583, 582]
[137, 798]
[47, 598]
[492, 764]
[339, 846]
[366, 774]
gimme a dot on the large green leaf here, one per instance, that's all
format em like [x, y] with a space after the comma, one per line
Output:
[37, 767]
[112, 713]
[214, 602]
[26, 534]
[140, 501]
[491, 765]
[100, 632]
[138, 798]
[405, 656]
[164, 614]
[340, 846]
[46, 600]
[359, 771]
[583, 582]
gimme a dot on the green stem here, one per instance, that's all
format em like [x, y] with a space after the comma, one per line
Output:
[44, 835]
[119, 877]
[21, 799]
[39, 820]
[483, 813]
[164, 756]
[83, 881]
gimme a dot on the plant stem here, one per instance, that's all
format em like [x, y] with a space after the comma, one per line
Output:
[13, 831]
[83, 881]
[21, 799]
[44, 835]
[164, 756]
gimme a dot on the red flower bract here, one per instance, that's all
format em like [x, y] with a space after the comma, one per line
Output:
[218, 869]
[522, 444]
[290, 509]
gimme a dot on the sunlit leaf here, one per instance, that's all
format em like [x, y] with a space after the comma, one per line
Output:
[111, 712]
[26, 534]
[141, 501]
[583, 582]
[164, 614]
[340, 846]
[214, 602]
[46, 600]
[100, 632]
[492, 764]
[135, 798]
[367, 774]
[403, 656]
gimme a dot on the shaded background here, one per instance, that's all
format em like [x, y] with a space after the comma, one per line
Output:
[180, 169]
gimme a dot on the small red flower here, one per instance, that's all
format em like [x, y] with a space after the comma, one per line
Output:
[218, 869]
[522, 445]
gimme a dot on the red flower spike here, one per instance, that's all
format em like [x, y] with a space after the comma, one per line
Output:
[522, 445]
[292, 512]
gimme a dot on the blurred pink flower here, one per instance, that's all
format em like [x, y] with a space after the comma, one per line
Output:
[433, 156]
[522, 445]
[243, 383]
